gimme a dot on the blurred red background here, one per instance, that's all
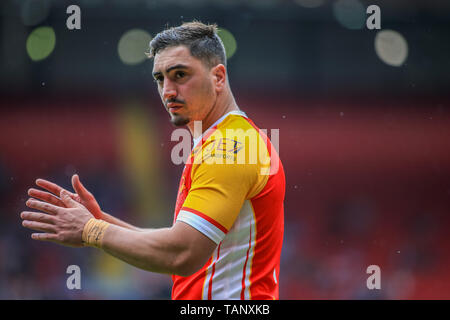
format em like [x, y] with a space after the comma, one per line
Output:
[366, 185]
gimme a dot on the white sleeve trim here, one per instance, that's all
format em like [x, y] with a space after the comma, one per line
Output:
[202, 225]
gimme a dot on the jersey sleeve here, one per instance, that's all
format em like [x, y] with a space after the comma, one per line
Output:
[219, 188]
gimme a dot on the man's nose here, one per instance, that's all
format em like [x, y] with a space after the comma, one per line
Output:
[169, 90]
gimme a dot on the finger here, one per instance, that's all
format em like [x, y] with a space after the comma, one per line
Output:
[44, 236]
[79, 187]
[88, 198]
[39, 226]
[68, 201]
[45, 196]
[50, 186]
[37, 216]
[50, 198]
[43, 206]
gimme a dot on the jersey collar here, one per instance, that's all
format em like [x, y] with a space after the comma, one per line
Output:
[236, 112]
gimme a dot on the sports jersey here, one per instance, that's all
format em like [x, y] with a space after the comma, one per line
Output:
[232, 190]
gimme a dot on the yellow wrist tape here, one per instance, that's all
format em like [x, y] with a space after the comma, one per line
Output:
[93, 232]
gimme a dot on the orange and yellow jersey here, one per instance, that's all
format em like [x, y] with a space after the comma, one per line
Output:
[232, 190]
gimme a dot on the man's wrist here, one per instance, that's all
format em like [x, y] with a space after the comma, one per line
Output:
[93, 232]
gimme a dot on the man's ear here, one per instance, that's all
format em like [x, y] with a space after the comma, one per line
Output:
[219, 73]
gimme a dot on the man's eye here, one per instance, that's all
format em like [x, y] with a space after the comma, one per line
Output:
[159, 79]
[179, 74]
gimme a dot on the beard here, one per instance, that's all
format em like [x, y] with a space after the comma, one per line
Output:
[178, 120]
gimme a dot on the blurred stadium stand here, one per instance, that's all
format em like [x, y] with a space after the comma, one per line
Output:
[365, 144]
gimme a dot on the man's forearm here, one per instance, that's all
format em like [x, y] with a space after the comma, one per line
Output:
[113, 220]
[116, 221]
[152, 250]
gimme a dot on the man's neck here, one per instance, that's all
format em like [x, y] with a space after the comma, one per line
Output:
[215, 114]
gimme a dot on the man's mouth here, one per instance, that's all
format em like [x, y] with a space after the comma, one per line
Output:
[172, 106]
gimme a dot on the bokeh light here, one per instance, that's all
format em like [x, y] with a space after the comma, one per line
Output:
[41, 43]
[351, 14]
[132, 46]
[229, 42]
[391, 47]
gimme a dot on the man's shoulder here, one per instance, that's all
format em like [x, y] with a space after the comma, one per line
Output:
[237, 128]
[235, 141]
[236, 122]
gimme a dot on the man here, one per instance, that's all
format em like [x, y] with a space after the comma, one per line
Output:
[226, 239]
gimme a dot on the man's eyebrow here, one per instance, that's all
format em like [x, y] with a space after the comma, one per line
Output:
[178, 66]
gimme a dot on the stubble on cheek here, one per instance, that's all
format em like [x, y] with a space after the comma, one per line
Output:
[207, 99]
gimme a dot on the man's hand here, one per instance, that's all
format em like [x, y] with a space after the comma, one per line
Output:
[82, 195]
[63, 225]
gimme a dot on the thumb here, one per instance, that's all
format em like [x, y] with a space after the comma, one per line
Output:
[78, 187]
[68, 201]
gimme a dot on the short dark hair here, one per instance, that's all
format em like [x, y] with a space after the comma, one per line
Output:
[201, 40]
